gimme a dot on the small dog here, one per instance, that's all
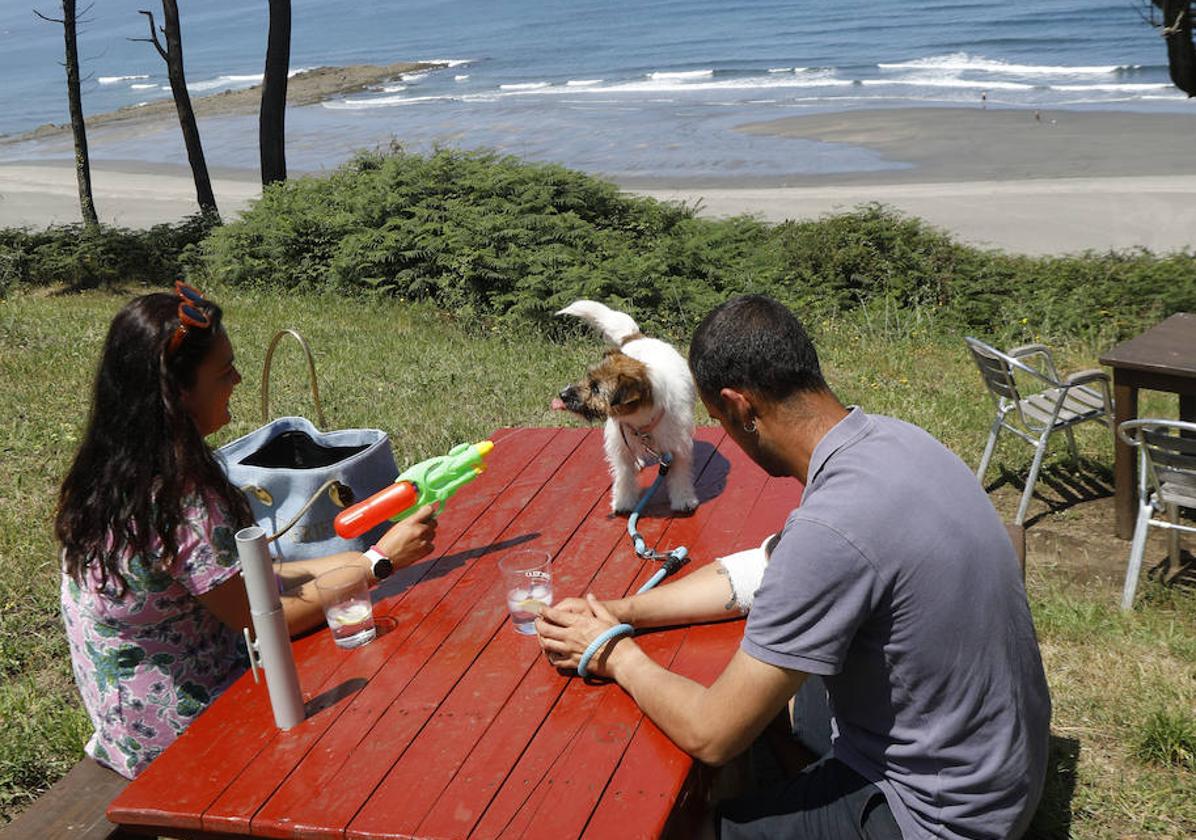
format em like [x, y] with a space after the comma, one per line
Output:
[644, 390]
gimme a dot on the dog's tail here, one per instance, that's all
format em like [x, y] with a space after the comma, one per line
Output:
[617, 327]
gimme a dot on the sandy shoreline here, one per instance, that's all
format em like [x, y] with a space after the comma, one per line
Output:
[1066, 182]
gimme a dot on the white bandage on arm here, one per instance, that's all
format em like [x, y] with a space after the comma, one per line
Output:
[745, 571]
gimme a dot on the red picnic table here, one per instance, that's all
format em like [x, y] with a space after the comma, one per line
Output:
[451, 724]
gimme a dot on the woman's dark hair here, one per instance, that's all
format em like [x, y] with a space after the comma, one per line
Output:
[142, 453]
[754, 343]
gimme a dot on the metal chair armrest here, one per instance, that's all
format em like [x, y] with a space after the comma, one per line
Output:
[1051, 378]
[1025, 350]
[1132, 426]
[1028, 350]
[1081, 377]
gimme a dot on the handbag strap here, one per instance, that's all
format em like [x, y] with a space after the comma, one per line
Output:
[311, 375]
[335, 488]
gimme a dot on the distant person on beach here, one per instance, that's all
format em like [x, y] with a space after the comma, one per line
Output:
[895, 581]
[152, 596]
[983, 99]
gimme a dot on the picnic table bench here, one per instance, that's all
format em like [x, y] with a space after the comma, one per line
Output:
[450, 724]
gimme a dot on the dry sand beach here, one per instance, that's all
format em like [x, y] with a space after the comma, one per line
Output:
[1049, 182]
[1025, 181]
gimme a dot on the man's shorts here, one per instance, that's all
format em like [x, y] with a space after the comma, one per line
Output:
[827, 800]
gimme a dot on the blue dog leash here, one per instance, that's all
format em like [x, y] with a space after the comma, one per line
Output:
[671, 561]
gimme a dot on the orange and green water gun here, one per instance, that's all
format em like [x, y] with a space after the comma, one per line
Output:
[432, 481]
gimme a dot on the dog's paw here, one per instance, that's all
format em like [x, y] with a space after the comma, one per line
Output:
[623, 505]
[686, 505]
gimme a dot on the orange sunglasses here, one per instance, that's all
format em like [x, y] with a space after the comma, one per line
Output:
[190, 315]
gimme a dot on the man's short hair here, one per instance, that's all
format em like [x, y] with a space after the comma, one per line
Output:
[754, 343]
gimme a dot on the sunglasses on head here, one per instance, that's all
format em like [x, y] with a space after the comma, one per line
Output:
[191, 315]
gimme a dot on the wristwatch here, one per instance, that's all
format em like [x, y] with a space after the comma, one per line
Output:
[380, 565]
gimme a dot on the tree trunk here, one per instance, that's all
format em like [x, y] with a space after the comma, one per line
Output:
[1181, 52]
[272, 117]
[87, 205]
[182, 104]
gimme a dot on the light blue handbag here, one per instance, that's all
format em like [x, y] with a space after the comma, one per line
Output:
[298, 478]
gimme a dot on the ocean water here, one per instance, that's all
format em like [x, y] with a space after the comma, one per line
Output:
[626, 88]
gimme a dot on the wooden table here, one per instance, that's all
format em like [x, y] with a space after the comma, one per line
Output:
[450, 724]
[1161, 359]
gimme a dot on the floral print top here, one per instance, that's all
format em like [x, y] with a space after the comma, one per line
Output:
[150, 660]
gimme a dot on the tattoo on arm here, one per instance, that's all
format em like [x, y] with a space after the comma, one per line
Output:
[733, 603]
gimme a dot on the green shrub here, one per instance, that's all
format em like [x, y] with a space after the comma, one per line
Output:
[83, 258]
[491, 237]
[485, 235]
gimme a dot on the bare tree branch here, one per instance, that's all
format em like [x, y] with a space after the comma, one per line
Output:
[153, 38]
[48, 19]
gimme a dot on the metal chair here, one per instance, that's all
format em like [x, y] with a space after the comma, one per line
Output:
[1061, 404]
[1166, 483]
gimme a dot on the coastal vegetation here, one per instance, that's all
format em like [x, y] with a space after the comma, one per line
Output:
[414, 276]
[505, 241]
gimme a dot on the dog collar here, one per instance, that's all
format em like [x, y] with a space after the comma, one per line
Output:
[645, 431]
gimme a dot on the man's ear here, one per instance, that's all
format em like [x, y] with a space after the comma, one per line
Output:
[739, 406]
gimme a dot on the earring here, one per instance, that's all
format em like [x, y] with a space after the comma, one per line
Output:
[750, 428]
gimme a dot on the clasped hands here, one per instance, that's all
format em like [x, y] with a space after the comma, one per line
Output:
[566, 629]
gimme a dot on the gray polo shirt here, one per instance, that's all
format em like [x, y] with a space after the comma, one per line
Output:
[896, 581]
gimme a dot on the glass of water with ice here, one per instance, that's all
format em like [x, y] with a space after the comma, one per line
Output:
[345, 596]
[527, 580]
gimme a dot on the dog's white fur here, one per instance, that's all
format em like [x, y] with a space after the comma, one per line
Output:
[672, 389]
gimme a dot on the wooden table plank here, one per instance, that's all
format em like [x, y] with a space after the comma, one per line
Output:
[450, 723]
[593, 752]
[496, 760]
[398, 616]
[586, 769]
[219, 745]
[373, 732]
[413, 786]
[651, 771]
[611, 719]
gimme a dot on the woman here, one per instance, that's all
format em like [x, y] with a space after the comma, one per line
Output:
[152, 597]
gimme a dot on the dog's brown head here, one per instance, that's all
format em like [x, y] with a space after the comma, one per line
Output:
[616, 387]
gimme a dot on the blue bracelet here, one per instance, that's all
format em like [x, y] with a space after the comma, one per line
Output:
[596, 645]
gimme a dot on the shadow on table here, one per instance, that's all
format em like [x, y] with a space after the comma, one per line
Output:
[404, 579]
[332, 696]
[709, 484]
[1053, 818]
[1061, 485]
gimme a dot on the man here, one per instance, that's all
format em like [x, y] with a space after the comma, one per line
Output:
[894, 580]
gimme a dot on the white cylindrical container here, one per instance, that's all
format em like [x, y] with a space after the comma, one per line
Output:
[270, 627]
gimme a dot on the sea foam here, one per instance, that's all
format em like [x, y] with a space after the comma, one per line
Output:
[964, 62]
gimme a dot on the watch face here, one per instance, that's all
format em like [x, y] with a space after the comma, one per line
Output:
[382, 568]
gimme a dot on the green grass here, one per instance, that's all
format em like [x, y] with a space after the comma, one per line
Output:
[1123, 685]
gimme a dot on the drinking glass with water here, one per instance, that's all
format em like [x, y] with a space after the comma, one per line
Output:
[527, 579]
[345, 596]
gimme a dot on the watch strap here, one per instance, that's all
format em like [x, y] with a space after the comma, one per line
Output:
[380, 565]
